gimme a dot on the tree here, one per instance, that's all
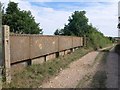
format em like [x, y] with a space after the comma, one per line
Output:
[20, 21]
[1, 12]
[77, 25]
[59, 32]
[118, 26]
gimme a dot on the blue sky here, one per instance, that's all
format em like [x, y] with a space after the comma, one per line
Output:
[67, 5]
[53, 14]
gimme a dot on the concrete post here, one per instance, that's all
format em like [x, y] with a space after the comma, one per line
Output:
[6, 53]
[1, 59]
[84, 41]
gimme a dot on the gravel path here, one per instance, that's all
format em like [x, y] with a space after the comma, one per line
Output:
[112, 69]
[70, 77]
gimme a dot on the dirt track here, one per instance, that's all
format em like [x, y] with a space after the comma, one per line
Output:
[81, 72]
[70, 77]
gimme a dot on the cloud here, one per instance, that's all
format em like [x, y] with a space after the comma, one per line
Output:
[105, 18]
[48, 18]
[73, 0]
[103, 15]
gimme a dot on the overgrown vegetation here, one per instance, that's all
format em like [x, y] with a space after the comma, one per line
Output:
[34, 75]
[20, 21]
[78, 26]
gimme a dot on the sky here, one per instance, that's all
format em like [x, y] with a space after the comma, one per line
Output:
[54, 14]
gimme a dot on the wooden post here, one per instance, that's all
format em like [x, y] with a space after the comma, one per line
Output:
[6, 53]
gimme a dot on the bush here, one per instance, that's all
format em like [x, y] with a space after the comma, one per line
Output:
[97, 40]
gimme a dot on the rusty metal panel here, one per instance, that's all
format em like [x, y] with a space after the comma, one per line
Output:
[76, 41]
[42, 45]
[19, 48]
[65, 42]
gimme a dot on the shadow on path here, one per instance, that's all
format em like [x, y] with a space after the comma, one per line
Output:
[112, 69]
[100, 77]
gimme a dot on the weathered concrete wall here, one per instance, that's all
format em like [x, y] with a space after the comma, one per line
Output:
[23, 47]
[67, 52]
[50, 57]
[42, 45]
[61, 53]
[15, 68]
[19, 48]
[65, 42]
[38, 60]
[6, 53]
[76, 41]
[81, 41]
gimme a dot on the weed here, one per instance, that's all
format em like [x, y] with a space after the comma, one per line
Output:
[34, 75]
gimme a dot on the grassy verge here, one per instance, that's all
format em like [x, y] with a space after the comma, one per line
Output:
[33, 76]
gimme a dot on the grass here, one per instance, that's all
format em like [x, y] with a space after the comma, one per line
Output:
[33, 76]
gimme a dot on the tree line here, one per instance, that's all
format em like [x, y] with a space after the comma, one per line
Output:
[78, 26]
[21, 21]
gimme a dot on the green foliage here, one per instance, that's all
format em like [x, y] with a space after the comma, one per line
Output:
[1, 12]
[20, 21]
[97, 39]
[57, 32]
[112, 39]
[78, 26]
